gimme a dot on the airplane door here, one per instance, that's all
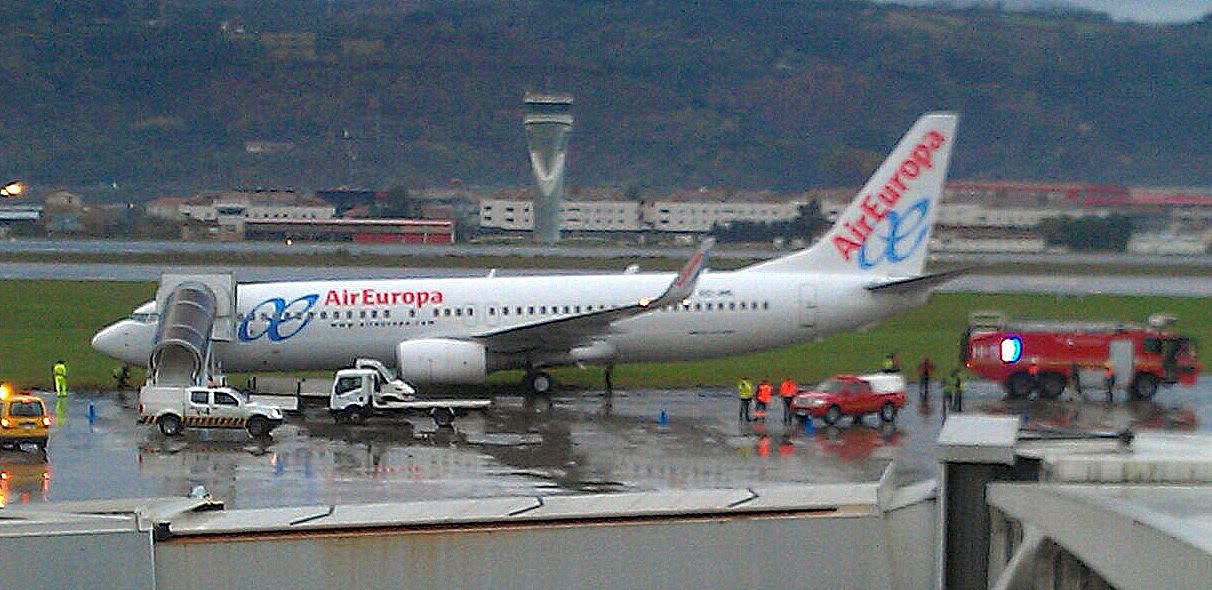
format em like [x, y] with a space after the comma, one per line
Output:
[807, 307]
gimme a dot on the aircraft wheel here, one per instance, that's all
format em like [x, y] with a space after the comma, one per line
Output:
[539, 383]
[833, 415]
[888, 412]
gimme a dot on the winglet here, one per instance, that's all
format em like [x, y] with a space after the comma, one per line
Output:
[683, 284]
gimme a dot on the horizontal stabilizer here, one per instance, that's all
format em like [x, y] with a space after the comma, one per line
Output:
[916, 283]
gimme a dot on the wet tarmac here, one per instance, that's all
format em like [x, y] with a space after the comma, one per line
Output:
[577, 444]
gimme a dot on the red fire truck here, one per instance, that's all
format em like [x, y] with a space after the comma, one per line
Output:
[1043, 356]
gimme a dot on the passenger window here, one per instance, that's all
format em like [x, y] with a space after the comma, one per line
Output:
[492, 311]
[565, 309]
[530, 310]
[446, 312]
[578, 308]
[199, 397]
[765, 305]
[412, 313]
[223, 399]
[542, 310]
[374, 313]
[362, 314]
[471, 311]
[459, 311]
[386, 313]
[731, 305]
[504, 311]
[742, 305]
[349, 315]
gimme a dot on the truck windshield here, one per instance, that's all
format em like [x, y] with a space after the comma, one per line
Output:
[348, 384]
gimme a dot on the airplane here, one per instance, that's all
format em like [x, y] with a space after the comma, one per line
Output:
[867, 267]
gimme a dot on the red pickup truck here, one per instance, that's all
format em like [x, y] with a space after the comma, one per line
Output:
[852, 395]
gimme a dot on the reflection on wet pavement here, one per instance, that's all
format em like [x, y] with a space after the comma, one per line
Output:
[578, 443]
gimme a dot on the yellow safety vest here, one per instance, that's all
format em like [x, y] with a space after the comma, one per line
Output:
[60, 370]
[744, 389]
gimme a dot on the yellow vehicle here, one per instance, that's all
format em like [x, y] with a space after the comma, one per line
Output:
[23, 419]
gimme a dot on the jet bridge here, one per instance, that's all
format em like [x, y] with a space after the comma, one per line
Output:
[195, 310]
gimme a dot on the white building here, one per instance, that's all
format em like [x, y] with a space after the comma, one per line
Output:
[510, 214]
[233, 207]
[699, 216]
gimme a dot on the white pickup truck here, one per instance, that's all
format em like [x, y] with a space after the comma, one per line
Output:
[366, 391]
[173, 408]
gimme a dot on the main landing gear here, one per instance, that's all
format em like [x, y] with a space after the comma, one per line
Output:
[538, 382]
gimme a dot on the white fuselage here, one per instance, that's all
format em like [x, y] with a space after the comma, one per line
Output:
[323, 325]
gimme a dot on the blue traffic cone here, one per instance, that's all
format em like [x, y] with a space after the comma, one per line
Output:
[809, 426]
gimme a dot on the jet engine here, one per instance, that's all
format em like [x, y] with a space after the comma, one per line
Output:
[440, 360]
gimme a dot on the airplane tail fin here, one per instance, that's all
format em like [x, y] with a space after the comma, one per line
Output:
[886, 229]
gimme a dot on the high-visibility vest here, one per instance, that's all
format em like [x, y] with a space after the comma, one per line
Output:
[764, 391]
[889, 364]
[744, 389]
[787, 388]
[60, 370]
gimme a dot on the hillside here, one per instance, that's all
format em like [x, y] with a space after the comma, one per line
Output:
[773, 94]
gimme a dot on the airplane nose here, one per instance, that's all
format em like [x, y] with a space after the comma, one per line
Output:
[110, 341]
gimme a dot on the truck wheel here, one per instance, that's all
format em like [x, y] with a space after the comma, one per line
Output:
[1019, 385]
[170, 425]
[355, 415]
[1144, 386]
[442, 416]
[258, 426]
[888, 412]
[1051, 385]
[832, 415]
[539, 383]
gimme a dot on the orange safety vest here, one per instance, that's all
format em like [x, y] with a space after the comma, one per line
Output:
[787, 388]
[764, 391]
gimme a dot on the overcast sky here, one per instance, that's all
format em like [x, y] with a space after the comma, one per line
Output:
[1147, 11]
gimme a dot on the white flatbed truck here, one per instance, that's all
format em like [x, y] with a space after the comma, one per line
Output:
[174, 408]
[368, 390]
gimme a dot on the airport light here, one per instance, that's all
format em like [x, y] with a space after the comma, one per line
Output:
[12, 189]
[5, 390]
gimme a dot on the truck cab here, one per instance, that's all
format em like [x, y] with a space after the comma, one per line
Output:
[365, 391]
[174, 408]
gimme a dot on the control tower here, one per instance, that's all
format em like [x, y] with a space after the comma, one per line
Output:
[548, 124]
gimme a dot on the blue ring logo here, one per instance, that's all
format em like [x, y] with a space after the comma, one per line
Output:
[903, 226]
[279, 325]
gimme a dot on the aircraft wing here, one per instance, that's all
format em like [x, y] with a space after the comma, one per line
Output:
[562, 334]
[916, 283]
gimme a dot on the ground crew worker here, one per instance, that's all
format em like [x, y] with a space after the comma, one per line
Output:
[787, 391]
[955, 386]
[890, 363]
[60, 372]
[122, 376]
[1109, 381]
[744, 392]
[764, 392]
[924, 370]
